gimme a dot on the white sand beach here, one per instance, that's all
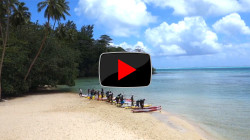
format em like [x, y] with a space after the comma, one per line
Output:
[68, 116]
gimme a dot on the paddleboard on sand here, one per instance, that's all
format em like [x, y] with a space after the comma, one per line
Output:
[84, 95]
[144, 110]
[151, 107]
[102, 99]
[133, 107]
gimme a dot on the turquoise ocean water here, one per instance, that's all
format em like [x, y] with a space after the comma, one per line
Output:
[217, 99]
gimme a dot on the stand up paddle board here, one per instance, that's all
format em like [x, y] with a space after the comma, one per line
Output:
[133, 107]
[144, 110]
[151, 107]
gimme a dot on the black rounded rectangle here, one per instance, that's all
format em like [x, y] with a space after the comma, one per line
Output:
[125, 69]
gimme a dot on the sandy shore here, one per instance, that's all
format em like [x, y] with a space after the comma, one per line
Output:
[67, 116]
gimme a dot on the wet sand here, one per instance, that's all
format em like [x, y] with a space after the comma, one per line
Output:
[68, 116]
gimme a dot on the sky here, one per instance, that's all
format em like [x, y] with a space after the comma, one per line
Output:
[176, 33]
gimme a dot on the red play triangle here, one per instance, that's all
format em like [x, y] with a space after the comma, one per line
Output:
[124, 69]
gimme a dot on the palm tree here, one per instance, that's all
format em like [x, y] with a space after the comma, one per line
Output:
[6, 7]
[65, 8]
[60, 31]
[21, 14]
[55, 10]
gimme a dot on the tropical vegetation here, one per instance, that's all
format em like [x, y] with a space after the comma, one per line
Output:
[34, 55]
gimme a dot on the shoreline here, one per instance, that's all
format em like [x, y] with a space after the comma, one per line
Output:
[67, 116]
[208, 135]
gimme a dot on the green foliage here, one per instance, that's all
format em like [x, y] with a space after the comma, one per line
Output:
[90, 50]
[21, 14]
[54, 9]
[66, 55]
[13, 71]
[57, 64]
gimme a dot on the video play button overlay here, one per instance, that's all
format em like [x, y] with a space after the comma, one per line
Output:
[125, 69]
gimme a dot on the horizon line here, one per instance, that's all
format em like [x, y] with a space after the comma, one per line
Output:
[226, 67]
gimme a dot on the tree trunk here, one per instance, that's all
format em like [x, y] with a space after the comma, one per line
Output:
[1, 64]
[5, 39]
[39, 51]
[54, 25]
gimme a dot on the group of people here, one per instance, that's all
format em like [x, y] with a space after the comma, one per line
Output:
[109, 96]
[93, 93]
[118, 99]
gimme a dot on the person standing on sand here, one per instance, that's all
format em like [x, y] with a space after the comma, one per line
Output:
[137, 103]
[92, 93]
[102, 93]
[111, 97]
[107, 95]
[98, 93]
[88, 91]
[132, 100]
[142, 103]
[80, 92]
[122, 99]
[117, 99]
